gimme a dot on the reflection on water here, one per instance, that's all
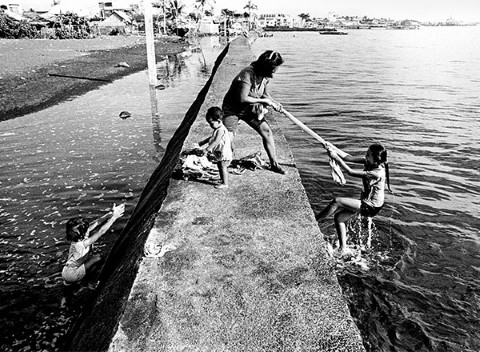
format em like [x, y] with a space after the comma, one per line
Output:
[156, 127]
[78, 157]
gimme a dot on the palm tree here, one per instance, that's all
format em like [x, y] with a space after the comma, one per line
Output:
[250, 6]
[171, 10]
[175, 10]
[227, 14]
[200, 5]
[305, 17]
[165, 5]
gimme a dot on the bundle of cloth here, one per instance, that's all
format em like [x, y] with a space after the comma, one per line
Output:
[197, 167]
[194, 165]
[337, 173]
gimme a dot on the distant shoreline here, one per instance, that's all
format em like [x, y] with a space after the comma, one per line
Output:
[37, 73]
[288, 29]
[299, 29]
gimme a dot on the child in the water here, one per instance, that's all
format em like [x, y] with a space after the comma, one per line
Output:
[374, 177]
[78, 233]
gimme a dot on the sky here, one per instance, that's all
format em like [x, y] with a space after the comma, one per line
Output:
[423, 10]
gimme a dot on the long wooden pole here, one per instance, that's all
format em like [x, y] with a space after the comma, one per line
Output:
[152, 70]
[304, 127]
[149, 36]
[164, 19]
[336, 170]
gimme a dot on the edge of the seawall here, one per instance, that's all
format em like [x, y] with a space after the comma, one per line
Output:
[249, 271]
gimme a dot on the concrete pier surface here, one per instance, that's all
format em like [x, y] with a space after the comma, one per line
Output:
[249, 271]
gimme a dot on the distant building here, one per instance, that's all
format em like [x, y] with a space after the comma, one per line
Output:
[85, 8]
[118, 22]
[332, 16]
[239, 22]
[12, 6]
[41, 8]
[12, 10]
[108, 7]
[451, 22]
[277, 20]
[207, 26]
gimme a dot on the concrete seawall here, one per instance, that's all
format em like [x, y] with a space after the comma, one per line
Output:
[249, 271]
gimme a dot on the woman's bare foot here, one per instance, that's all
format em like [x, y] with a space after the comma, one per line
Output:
[277, 169]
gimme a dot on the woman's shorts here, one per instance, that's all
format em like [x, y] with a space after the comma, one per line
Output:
[71, 275]
[231, 123]
[250, 116]
[369, 211]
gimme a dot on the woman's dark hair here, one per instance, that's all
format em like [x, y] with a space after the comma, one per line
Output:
[215, 114]
[379, 154]
[76, 229]
[267, 62]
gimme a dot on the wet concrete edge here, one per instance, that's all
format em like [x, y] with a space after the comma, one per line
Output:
[250, 270]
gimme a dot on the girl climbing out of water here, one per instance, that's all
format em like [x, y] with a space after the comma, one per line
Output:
[374, 177]
[247, 99]
[79, 234]
[219, 144]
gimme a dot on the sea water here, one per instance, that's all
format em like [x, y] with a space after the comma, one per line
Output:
[418, 93]
[415, 91]
[79, 158]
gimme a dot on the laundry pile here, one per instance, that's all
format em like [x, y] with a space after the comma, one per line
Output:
[250, 162]
[195, 166]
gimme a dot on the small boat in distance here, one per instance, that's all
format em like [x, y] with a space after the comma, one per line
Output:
[331, 31]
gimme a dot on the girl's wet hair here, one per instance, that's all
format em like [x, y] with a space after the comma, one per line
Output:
[215, 114]
[379, 154]
[76, 229]
[267, 62]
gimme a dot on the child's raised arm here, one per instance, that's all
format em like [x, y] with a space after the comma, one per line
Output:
[354, 159]
[341, 154]
[117, 212]
[344, 165]
[99, 221]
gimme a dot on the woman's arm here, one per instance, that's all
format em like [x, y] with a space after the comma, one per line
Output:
[245, 98]
[276, 105]
[117, 211]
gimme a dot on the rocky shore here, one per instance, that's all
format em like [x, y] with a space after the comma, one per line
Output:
[36, 74]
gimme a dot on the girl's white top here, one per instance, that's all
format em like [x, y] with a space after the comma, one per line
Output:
[77, 255]
[374, 187]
